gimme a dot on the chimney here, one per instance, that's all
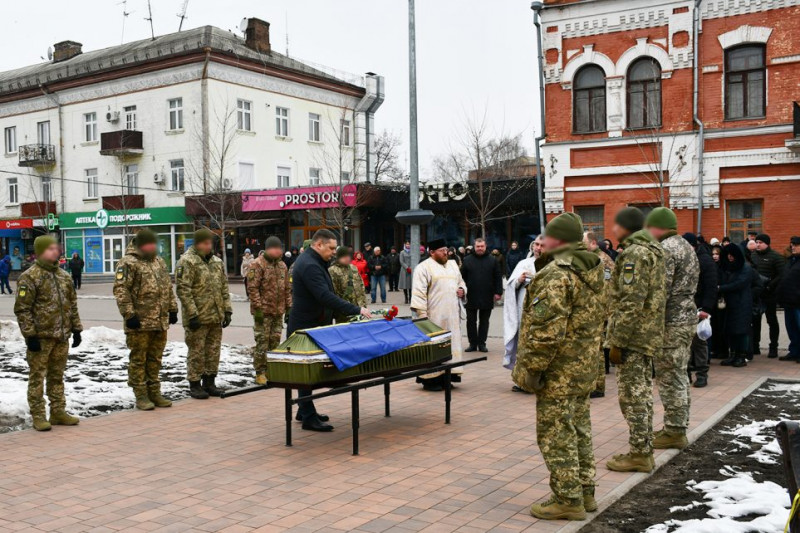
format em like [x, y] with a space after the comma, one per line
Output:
[66, 50]
[257, 35]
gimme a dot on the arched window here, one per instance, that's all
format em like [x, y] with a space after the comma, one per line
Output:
[589, 100]
[745, 82]
[644, 93]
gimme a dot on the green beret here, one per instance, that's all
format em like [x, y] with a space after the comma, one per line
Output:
[42, 243]
[203, 234]
[565, 227]
[630, 218]
[663, 218]
[145, 236]
[273, 242]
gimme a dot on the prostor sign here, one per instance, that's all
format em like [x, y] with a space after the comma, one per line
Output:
[300, 198]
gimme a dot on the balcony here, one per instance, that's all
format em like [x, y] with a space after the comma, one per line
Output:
[121, 143]
[37, 155]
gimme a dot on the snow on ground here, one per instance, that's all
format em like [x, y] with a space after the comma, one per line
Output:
[234, 297]
[96, 376]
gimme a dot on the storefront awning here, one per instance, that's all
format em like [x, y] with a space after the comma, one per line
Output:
[252, 223]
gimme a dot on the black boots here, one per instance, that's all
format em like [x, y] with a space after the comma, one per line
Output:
[407, 295]
[196, 391]
[736, 360]
[210, 387]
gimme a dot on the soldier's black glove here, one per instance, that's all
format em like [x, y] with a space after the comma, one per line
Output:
[194, 323]
[173, 317]
[133, 323]
[33, 344]
[227, 320]
[76, 339]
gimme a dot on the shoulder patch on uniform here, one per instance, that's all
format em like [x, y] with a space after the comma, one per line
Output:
[539, 305]
[251, 273]
[122, 273]
[179, 272]
[22, 291]
[628, 273]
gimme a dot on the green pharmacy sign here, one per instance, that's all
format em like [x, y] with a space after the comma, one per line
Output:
[132, 217]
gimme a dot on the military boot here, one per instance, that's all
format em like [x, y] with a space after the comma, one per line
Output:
[631, 462]
[196, 391]
[63, 418]
[664, 439]
[261, 378]
[154, 394]
[40, 422]
[143, 403]
[210, 387]
[589, 503]
[553, 510]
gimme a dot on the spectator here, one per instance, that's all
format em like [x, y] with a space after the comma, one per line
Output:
[5, 271]
[462, 252]
[714, 241]
[394, 269]
[247, 260]
[481, 273]
[468, 251]
[513, 256]
[501, 261]
[76, 269]
[363, 269]
[405, 271]
[770, 264]
[287, 258]
[719, 342]
[367, 251]
[606, 248]
[736, 288]
[423, 253]
[452, 255]
[705, 299]
[62, 263]
[726, 240]
[788, 294]
[378, 268]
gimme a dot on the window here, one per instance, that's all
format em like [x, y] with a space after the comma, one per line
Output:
[247, 176]
[131, 183]
[743, 217]
[589, 100]
[244, 115]
[745, 82]
[47, 190]
[130, 117]
[91, 183]
[284, 177]
[176, 114]
[644, 94]
[282, 121]
[313, 127]
[346, 137]
[11, 139]
[345, 177]
[592, 217]
[90, 127]
[177, 175]
[13, 191]
[43, 132]
[314, 176]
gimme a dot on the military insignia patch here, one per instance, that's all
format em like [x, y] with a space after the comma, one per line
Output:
[628, 273]
[179, 272]
[121, 273]
[251, 274]
[539, 307]
[22, 291]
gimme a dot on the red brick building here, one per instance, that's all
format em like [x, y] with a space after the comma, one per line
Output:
[623, 120]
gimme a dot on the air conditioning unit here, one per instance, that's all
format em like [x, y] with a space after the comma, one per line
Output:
[227, 184]
[112, 116]
[159, 178]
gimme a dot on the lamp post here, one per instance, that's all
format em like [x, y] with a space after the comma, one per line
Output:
[537, 7]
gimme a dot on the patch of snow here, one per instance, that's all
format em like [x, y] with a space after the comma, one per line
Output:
[759, 435]
[783, 387]
[95, 297]
[687, 507]
[768, 454]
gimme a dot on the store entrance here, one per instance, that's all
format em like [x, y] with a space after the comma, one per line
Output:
[113, 250]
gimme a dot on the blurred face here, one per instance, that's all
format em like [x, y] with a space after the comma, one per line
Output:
[407, 245]
[715, 256]
[591, 245]
[51, 254]
[204, 247]
[751, 245]
[359, 256]
[795, 249]
[619, 232]
[656, 232]
[325, 249]
[345, 260]
[551, 244]
[514, 245]
[377, 251]
[149, 248]
[480, 247]
[538, 247]
[273, 253]
[440, 255]
[761, 246]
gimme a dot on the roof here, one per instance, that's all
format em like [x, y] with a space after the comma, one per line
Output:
[152, 50]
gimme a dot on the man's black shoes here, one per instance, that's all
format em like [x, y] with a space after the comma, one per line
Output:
[700, 381]
[324, 418]
[315, 424]
[470, 348]
[483, 348]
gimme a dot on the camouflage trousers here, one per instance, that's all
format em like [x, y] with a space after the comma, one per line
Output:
[203, 357]
[635, 383]
[268, 337]
[47, 365]
[600, 382]
[147, 348]
[564, 435]
[672, 378]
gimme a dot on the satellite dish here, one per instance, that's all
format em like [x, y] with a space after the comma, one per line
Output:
[243, 25]
[50, 53]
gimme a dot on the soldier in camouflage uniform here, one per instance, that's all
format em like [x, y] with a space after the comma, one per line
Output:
[206, 308]
[682, 274]
[560, 331]
[47, 312]
[636, 333]
[590, 241]
[270, 298]
[347, 282]
[145, 299]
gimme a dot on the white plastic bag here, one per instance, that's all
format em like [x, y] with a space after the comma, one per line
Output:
[704, 329]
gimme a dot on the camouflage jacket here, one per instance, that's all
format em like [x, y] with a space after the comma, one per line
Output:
[143, 288]
[682, 274]
[348, 285]
[562, 321]
[608, 272]
[268, 286]
[202, 288]
[46, 304]
[638, 296]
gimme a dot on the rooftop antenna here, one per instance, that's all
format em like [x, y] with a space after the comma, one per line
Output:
[286, 19]
[49, 53]
[150, 20]
[125, 14]
[182, 14]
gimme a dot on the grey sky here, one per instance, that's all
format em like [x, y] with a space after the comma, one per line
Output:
[473, 55]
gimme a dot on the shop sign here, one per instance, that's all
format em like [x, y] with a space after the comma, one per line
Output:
[134, 217]
[20, 223]
[442, 192]
[300, 198]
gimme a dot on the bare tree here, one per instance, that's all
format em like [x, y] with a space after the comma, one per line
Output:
[387, 160]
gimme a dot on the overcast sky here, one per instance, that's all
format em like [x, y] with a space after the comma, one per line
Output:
[474, 56]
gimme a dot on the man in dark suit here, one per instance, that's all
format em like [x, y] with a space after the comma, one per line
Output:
[314, 303]
[481, 273]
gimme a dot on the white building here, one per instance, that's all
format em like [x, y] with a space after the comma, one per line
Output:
[107, 140]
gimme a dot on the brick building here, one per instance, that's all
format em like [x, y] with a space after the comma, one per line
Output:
[726, 157]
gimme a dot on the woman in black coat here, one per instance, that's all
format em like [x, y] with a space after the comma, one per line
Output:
[735, 288]
[719, 341]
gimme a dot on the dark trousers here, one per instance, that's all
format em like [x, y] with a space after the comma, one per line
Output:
[394, 281]
[719, 342]
[771, 310]
[306, 410]
[792, 320]
[5, 285]
[477, 332]
[698, 362]
[76, 281]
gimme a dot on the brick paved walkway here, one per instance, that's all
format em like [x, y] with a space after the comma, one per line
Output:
[220, 465]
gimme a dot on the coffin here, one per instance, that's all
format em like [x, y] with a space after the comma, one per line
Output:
[300, 361]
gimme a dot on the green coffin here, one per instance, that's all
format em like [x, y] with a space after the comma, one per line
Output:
[299, 361]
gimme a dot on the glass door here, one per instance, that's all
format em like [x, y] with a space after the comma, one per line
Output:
[113, 249]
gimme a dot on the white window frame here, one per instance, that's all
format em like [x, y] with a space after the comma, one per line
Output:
[130, 117]
[282, 121]
[314, 120]
[13, 191]
[92, 183]
[90, 127]
[347, 133]
[42, 130]
[10, 139]
[130, 186]
[244, 115]
[175, 114]
[284, 176]
[177, 175]
[47, 189]
[346, 176]
[314, 176]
